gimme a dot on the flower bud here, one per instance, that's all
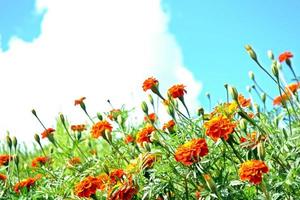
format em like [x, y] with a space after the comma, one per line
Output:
[33, 112]
[275, 70]
[8, 141]
[108, 136]
[170, 111]
[151, 99]
[62, 118]
[270, 55]
[207, 95]
[120, 119]
[243, 124]
[261, 151]
[147, 147]
[263, 97]
[37, 138]
[251, 75]
[144, 107]
[234, 93]
[16, 159]
[200, 112]
[15, 142]
[251, 52]
[79, 135]
[99, 116]
[249, 88]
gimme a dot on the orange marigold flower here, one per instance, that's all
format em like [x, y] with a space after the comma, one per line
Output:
[88, 186]
[122, 191]
[39, 161]
[252, 171]
[113, 114]
[293, 87]
[191, 152]
[2, 177]
[78, 127]
[4, 159]
[279, 99]
[47, 132]
[244, 102]
[25, 183]
[151, 117]
[104, 179]
[79, 101]
[144, 134]
[219, 127]
[284, 56]
[150, 84]
[169, 125]
[99, 128]
[116, 175]
[177, 91]
[74, 161]
[128, 139]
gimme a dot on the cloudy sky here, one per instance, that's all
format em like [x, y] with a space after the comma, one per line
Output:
[54, 51]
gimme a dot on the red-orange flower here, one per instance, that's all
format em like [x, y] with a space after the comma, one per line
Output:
[78, 127]
[150, 84]
[191, 152]
[151, 117]
[40, 161]
[88, 186]
[25, 183]
[279, 99]
[144, 134]
[293, 87]
[169, 125]
[4, 159]
[177, 91]
[79, 101]
[252, 171]
[116, 175]
[99, 128]
[244, 102]
[219, 127]
[2, 177]
[128, 139]
[284, 56]
[47, 132]
[122, 191]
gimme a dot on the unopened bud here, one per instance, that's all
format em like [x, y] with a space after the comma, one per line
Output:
[15, 142]
[261, 151]
[108, 136]
[79, 135]
[207, 95]
[62, 118]
[200, 112]
[251, 52]
[249, 88]
[170, 111]
[151, 99]
[234, 93]
[144, 107]
[243, 124]
[33, 112]
[8, 141]
[263, 97]
[37, 138]
[251, 75]
[99, 116]
[120, 119]
[270, 55]
[275, 70]
[147, 147]
[16, 159]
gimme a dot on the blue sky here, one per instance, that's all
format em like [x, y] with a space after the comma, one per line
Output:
[211, 34]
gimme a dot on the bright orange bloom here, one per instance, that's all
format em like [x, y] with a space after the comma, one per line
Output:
[99, 128]
[191, 152]
[150, 84]
[284, 56]
[88, 186]
[128, 139]
[219, 127]
[25, 183]
[144, 134]
[74, 161]
[47, 132]
[116, 175]
[151, 117]
[104, 179]
[78, 127]
[279, 99]
[293, 87]
[2, 177]
[113, 114]
[244, 102]
[122, 191]
[79, 101]
[40, 161]
[4, 159]
[177, 91]
[252, 171]
[169, 125]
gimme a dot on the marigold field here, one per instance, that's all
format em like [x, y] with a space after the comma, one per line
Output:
[239, 149]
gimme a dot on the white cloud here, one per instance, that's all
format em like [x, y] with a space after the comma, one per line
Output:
[101, 49]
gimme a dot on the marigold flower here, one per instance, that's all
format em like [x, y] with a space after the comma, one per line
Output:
[104, 179]
[144, 134]
[88, 186]
[279, 99]
[74, 161]
[122, 191]
[39, 161]
[128, 139]
[47, 132]
[4, 159]
[78, 127]
[169, 125]
[293, 87]
[285, 56]
[113, 114]
[116, 175]
[150, 84]
[79, 101]
[252, 171]
[151, 117]
[100, 127]
[219, 127]
[244, 102]
[28, 183]
[177, 91]
[2, 177]
[191, 152]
